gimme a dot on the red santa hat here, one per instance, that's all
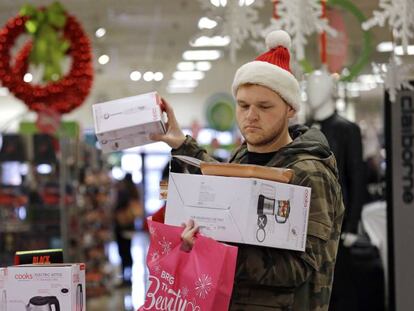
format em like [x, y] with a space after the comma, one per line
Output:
[272, 70]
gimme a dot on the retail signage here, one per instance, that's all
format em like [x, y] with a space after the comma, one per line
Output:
[399, 125]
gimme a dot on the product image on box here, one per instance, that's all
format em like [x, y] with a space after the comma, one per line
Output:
[268, 205]
[46, 303]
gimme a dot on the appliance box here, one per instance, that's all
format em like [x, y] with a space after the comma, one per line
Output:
[43, 287]
[128, 122]
[241, 210]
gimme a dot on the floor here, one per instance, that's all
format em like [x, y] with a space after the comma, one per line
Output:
[126, 298]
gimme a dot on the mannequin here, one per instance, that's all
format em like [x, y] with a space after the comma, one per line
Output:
[344, 138]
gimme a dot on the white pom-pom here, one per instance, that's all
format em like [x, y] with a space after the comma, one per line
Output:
[278, 38]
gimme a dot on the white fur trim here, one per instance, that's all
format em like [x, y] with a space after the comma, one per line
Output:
[278, 38]
[271, 76]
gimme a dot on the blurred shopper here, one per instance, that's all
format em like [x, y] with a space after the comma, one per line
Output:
[268, 96]
[128, 208]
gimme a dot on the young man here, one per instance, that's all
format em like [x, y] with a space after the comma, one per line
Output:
[267, 97]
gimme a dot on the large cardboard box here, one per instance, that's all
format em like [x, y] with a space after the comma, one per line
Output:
[128, 122]
[241, 210]
[43, 287]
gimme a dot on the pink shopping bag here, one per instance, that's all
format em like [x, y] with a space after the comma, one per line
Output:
[197, 280]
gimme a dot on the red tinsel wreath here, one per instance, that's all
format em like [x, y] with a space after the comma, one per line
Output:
[63, 95]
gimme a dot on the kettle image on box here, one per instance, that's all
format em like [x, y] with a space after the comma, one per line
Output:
[43, 303]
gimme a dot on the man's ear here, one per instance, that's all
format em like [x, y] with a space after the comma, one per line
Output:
[291, 112]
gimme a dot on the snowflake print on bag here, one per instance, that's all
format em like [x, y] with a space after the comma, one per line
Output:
[155, 256]
[203, 286]
[184, 292]
[157, 269]
[165, 245]
[152, 231]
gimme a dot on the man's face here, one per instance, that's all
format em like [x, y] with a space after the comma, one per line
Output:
[262, 117]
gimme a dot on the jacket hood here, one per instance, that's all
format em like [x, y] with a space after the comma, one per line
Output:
[308, 143]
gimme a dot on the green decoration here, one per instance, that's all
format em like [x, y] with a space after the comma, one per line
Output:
[49, 46]
[221, 112]
[367, 47]
[69, 129]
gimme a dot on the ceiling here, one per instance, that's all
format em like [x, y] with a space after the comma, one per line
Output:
[152, 35]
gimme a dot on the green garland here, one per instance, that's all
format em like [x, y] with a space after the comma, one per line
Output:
[367, 47]
[49, 46]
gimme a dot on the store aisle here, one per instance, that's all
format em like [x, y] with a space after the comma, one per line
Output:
[126, 298]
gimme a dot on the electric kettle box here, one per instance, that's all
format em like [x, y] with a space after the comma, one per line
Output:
[128, 122]
[55, 287]
[241, 210]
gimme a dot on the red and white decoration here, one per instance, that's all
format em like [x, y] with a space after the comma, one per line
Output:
[61, 96]
[301, 19]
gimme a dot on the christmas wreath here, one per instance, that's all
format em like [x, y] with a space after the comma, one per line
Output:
[60, 93]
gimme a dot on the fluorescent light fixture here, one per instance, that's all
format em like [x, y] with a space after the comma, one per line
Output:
[218, 3]
[203, 66]
[28, 77]
[183, 83]
[100, 32]
[206, 23]
[148, 76]
[201, 55]
[44, 169]
[185, 66]
[245, 2]
[188, 75]
[103, 59]
[386, 46]
[400, 51]
[211, 41]
[158, 76]
[179, 90]
[4, 91]
[135, 76]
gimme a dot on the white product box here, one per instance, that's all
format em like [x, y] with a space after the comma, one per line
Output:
[127, 122]
[241, 210]
[55, 287]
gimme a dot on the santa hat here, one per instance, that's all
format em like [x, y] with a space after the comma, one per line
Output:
[272, 70]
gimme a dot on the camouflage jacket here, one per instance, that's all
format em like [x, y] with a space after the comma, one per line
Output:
[277, 279]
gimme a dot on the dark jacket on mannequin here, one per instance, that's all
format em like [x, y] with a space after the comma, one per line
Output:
[344, 138]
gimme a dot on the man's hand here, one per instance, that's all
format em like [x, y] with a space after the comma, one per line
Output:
[188, 235]
[174, 137]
